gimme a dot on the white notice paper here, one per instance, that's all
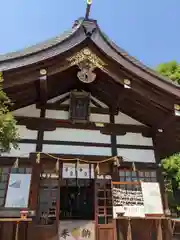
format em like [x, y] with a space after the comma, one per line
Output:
[69, 170]
[18, 191]
[83, 171]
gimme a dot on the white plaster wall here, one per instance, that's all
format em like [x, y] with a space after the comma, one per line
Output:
[57, 114]
[99, 118]
[62, 149]
[137, 155]
[77, 135]
[23, 150]
[29, 111]
[25, 133]
[134, 139]
[122, 118]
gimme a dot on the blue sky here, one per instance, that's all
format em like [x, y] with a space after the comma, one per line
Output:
[147, 29]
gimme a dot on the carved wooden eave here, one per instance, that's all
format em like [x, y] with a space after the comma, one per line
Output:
[150, 100]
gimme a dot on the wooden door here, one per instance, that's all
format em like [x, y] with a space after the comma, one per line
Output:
[105, 225]
[105, 232]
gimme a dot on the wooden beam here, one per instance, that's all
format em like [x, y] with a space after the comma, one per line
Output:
[34, 123]
[65, 107]
[43, 92]
[95, 103]
[15, 220]
[141, 88]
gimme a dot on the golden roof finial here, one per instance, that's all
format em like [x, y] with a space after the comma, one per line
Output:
[88, 8]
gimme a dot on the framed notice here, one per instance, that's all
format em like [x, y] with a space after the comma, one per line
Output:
[18, 191]
[152, 198]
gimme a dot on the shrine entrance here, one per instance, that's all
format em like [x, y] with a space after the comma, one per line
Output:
[77, 199]
[77, 209]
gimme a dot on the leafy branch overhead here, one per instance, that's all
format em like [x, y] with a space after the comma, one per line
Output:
[170, 70]
[8, 131]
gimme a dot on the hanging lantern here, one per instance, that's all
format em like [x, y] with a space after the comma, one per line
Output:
[38, 158]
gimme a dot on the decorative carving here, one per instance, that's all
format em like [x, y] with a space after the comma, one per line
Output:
[87, 61]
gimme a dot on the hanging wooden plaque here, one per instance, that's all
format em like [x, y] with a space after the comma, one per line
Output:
[79, 106]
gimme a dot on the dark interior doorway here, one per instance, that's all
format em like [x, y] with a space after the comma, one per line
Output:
[77, 199]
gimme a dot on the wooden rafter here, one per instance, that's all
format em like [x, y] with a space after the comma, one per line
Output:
[43, 91]
[95, 103]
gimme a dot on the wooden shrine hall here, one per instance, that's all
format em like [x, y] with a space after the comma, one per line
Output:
[94, 124]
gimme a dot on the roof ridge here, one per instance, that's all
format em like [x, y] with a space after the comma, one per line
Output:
[42, 45]
[135, 61]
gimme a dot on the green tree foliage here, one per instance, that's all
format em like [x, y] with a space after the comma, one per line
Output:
[171, 169]
[171, 165]
[170, 70]
[8, 131]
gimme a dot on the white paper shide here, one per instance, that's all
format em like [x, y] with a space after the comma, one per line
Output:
[80, 171]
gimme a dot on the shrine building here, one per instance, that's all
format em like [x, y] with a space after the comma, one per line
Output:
[94, 124]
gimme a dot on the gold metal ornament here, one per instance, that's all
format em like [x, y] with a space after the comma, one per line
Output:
[127, 83]
[43, 72]
[87, 61]
[89, 2]
[177, 107]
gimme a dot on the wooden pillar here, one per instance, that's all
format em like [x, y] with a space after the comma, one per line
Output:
[35, 181]
[168, 229]
[129, 230]
[159, 230]
[160, 177]
[17, 231]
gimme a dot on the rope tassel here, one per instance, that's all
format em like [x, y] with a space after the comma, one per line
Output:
[134, 167]
[38, 158]
[97, 169]
[16, 163]
[57, 166]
